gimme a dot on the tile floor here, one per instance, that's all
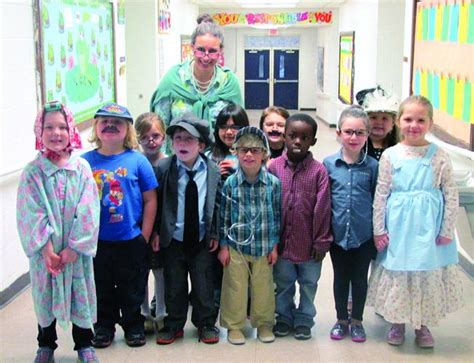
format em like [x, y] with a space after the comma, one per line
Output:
[454, 337]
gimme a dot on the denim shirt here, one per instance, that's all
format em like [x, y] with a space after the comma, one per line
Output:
[352, 193]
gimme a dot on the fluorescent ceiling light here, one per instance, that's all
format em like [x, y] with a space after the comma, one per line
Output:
[269, 5]
[257, 3]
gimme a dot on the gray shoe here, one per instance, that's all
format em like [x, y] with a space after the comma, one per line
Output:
[44, 355]
[87, 355]
[302, 332]
[358, 333]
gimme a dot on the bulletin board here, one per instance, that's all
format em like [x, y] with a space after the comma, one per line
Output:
[443, 68]
[76, 53]
[346, 67]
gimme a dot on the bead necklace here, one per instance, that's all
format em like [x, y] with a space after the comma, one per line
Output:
[203, 87]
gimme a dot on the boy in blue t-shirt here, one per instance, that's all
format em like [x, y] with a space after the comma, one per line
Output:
[126, 184]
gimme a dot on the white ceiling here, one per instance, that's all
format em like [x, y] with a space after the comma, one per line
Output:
[235, 4]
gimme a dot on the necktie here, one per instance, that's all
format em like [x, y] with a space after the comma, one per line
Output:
[191, 213]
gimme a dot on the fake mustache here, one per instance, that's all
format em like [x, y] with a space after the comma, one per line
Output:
[110, 128]
[275, 133]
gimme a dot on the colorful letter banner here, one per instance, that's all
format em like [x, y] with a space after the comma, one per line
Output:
[283, 18]
[452, 95]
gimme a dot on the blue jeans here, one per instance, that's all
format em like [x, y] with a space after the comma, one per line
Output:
[286, 274]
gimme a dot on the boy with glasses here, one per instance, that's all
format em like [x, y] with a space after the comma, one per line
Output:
[248, 236]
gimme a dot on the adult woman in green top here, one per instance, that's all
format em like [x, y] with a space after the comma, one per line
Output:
[200, 85]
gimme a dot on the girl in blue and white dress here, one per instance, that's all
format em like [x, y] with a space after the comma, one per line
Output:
[416, 200]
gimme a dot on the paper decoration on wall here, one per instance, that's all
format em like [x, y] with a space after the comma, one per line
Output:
[448, 22]
[449, 94]
[164, 16]
[282, 18]
[77, 54]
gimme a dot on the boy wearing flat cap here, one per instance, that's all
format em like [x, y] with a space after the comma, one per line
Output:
[249, 232]
[186, 229]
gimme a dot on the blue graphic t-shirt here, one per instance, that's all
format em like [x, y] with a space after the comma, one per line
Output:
[121, 179]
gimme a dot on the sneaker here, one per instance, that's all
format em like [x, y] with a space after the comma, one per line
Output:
[135, 339]
[44, 355]
[235, 336]
[423, 338]
[302, 332]
[396, 335]
[281, 329]
[102, 339]
[149, 325]
[265, 334]
[86, 355]
[208, 334]
[167, 335]
[358, 333]
[339, 331]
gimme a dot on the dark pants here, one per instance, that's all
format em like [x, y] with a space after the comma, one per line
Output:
[350, 267]
[121, 273]
[178, 263]
[47, 336]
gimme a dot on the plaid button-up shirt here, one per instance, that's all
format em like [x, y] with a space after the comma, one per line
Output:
[306, 208]
[250, 213]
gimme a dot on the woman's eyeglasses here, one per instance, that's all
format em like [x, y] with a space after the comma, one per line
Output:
[212, 53]
[358, 133]
[156, 138]
[253, 150]
[229, 127]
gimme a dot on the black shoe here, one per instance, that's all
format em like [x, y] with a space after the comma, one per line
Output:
[281, 329]
[135, 339]
[302, 332]
[102, 338]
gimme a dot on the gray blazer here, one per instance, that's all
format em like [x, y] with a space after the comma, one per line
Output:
[167, 176]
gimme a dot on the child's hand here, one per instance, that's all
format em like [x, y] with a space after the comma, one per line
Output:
[319, 256]
[225, 166]
[224, 256]
[442, 241]
[155, 242]
[68, 255]
[213, 245]
[381, 242]
[52, 260]
[272, 257]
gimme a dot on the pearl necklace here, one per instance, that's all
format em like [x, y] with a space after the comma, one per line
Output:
[200, 86]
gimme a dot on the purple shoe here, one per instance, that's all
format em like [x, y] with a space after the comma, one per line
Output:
[396, 335]
[423, 338]
[339, 331]
[358, 333]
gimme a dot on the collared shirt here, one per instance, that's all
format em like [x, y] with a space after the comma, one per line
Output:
[352, 192]
[201, 181]
[250, 213]
[306, 207]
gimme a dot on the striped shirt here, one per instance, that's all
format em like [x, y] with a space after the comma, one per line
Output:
[306, 208]
[250, 213]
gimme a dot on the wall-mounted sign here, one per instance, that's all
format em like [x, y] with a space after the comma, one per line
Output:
[346, 67]
[283, 18]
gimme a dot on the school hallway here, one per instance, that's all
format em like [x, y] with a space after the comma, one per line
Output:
[454, 338]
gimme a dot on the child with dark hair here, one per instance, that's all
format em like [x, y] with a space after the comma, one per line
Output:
[229, 120]
[305, 229]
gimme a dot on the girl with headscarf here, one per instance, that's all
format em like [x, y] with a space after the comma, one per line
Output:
[58, 224]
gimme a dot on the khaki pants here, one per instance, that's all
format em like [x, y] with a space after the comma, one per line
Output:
[235, 290]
